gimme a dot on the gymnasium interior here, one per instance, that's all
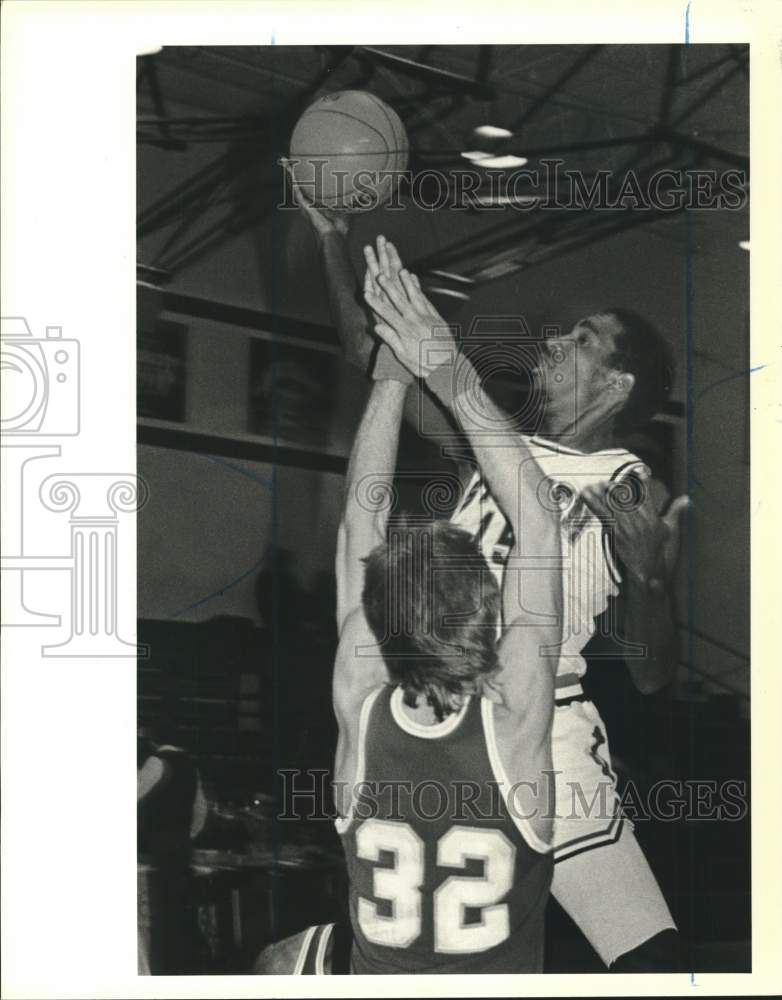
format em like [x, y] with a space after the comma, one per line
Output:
[236, 543]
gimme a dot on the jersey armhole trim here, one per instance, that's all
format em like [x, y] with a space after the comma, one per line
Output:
[555, 446]
[522, 825]
[343, 822]
[304, 950]
[320, 954]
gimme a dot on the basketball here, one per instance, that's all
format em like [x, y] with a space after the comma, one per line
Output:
[340, 147]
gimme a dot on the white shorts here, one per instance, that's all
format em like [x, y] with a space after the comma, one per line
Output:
[601, 877]
[587, 813]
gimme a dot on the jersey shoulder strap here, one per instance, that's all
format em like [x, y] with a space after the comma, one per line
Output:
[343, 822]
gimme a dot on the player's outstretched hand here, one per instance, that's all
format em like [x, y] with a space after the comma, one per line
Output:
[646, 543]
[406, 319]
[322, 220]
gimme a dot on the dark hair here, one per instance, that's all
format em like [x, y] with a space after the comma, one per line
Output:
[433, 606]
[641, 350]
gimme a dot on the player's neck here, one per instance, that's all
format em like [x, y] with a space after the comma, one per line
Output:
[424, 714]
[585, 434]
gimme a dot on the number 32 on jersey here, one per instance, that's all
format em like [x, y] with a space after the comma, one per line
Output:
[401, 886]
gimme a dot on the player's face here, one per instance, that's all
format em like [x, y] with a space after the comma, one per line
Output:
[576, 367]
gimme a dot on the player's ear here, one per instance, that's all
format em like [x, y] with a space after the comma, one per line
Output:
[622, 382]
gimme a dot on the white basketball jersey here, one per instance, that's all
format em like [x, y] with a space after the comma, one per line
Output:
[590, 575]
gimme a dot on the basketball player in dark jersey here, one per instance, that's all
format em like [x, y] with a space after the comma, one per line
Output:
[443, 757]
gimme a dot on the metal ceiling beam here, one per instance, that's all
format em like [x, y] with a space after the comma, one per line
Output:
[578, 64]
[431, 74]
[704, 98]
[669, 85]
[193, 189]
[707, 148]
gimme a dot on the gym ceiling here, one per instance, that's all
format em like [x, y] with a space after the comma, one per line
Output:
[597, 107]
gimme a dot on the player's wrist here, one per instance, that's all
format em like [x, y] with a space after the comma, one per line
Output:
[452, 379]
[388, 368]
[328, 233]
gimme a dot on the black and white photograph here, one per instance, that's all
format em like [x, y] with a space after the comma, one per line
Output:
[570, 223]
[427, 574]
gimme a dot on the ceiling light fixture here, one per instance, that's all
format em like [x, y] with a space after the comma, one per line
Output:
[502, 162]
[476, 154]
[451, 292]
[507, 199]
[493, 132]
[454, 277]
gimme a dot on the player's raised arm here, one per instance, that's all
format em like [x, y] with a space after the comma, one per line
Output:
[352, 320]
[421, 341]
[368, 487]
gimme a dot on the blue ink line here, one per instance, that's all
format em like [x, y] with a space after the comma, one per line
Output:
[267, 483]
[220, 592]
[686, 25]
[729, 378]
[692, 479]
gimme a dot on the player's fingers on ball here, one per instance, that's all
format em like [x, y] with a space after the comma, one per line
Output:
[300, 197]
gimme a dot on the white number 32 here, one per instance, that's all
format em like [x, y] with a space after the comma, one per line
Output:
[401, 886]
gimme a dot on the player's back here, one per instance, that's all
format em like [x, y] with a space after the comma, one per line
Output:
[443, 876]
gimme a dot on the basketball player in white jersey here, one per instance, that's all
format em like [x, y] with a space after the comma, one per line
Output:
[598, 858]
[602, 881]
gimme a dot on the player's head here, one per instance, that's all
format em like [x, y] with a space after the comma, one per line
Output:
[433, 606]
[614, 359]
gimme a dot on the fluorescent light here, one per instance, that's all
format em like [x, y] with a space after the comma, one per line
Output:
[454, 277]
[507, 199]
[476, 154]
[493, 132]
[503, 161]
[448, 291]
[744, 244]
